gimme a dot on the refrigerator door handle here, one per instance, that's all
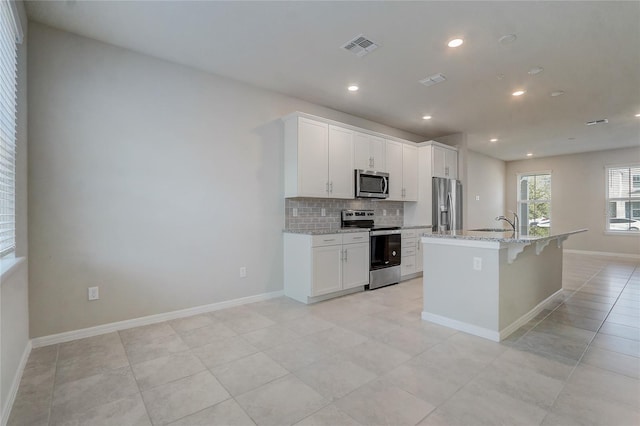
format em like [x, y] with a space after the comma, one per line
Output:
[451, 211]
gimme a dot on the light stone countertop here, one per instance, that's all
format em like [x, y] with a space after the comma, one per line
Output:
[342, 230]
[324, 231]
[530, 235]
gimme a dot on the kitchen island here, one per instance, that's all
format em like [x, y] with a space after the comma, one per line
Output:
[490, 282]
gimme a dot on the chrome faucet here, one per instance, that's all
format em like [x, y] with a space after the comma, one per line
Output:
[515, 224]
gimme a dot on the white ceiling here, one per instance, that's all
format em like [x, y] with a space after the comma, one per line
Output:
[590, 50]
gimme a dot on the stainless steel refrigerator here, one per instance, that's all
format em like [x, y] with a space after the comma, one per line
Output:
[447, 204]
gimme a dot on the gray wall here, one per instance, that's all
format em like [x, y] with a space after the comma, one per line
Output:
[578, 189]
[152, 180]
[14, 314]
[485, 179]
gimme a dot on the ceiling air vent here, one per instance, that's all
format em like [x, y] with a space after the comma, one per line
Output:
[360, 45]
[594, 122]
[433, 79]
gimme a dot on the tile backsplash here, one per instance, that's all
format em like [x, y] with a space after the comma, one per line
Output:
[310, 212]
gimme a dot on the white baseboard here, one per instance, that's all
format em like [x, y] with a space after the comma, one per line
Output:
[15, 384]
[462, 326]
[487, 333]
[506, 332]
[603, 253]
[151, 319]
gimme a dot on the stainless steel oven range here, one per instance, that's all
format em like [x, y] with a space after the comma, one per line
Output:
[384, 247]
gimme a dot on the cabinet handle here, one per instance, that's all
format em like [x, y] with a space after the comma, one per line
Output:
[446, 171]
[358, 238]
[345, 254]
[327, 187]
[371, 162]
[329, 240]
[331, 187]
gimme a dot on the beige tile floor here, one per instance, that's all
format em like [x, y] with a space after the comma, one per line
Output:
[362, 359]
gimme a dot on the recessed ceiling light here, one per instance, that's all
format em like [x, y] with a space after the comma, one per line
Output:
[455, 42]
[557, 93]
[493, 140]
[426, 117]
[353, 88]
[535, 70]
[529, 154]
[519, 92]
[637, 115]
[507, 39]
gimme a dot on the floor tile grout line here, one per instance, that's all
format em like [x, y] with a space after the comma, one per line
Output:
[564, 385]
[135, 378]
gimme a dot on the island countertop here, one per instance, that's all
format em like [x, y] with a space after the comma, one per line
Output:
[527, 236]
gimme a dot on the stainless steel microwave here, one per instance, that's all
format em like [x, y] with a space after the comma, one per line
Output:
[372, 184]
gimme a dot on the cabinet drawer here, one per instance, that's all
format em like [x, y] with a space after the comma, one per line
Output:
[326, 240]
[410, 233]
[408, 250]
[408, 265]
[355, 237]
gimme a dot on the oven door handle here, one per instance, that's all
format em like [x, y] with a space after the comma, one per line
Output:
[385, 232]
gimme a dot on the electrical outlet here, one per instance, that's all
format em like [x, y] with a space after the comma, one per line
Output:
[243, 272]
[323, 212]
[93, 293]
[295, 212]
[477, 263]
[477, 198]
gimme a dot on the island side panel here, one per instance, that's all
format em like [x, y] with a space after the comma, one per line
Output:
[528, 281]
[454, 290]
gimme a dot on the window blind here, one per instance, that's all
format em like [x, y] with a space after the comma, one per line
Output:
[10, 35]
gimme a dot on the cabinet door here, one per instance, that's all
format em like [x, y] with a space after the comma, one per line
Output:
[438, 158]
[451, 164]
[341, 170]
[327, 270]
[419, 258]
[410, 172]
[362, 158]
[313, 157]
[394, 168]
[377, 149]
[355, 271]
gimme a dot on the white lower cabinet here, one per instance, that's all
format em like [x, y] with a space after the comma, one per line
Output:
[412, 261]
[317, 266]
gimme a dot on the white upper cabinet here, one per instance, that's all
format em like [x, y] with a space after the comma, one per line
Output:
[318, 159]
[402, 166]
[394, 168]
[445, 162]
[369, 152]
[313, 158]
[410, 172]
[341, 170]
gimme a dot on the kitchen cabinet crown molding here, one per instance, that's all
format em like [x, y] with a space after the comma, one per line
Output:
[298, 114]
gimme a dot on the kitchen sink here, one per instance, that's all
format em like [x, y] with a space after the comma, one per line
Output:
[492, 230]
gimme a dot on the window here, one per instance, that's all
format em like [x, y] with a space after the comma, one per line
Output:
[623, 199]
[534, 200]
[10, 35]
